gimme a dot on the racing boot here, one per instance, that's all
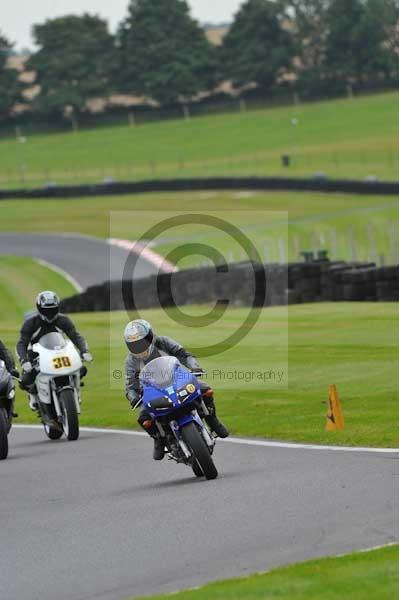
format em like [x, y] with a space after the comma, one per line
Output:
[33, 402]
[212, 421]
[159, 448]
[217, 426]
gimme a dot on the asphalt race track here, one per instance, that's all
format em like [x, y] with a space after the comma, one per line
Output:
[99, 519]
[88, 260]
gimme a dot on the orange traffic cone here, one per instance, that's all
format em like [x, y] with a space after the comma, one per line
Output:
[335, 417]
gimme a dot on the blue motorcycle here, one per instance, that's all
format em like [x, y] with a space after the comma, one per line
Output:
[171, 394]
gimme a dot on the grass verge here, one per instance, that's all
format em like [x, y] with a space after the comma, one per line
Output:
[371, 575]
[21, 279]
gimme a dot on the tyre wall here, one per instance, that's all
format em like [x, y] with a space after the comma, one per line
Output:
[245, 284]
[316, 184]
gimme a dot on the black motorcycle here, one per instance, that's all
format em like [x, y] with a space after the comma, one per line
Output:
[7, 396]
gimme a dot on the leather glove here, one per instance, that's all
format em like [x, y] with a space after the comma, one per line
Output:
[87, 357]
[15, 373]
[135, 399]
[198, 371]
[27, 367]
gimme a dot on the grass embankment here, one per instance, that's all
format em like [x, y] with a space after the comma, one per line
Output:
[362, 227]
[370, 575]
[352, 345]
[343, 138]
[21, 279]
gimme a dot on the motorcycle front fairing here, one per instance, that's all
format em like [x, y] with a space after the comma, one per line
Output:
[59, 366]
[170, 393]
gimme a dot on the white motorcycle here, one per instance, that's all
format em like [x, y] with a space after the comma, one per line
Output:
[58, 385]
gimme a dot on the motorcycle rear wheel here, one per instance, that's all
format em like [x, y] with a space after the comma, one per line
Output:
[4, 426]
[70, 414]
[199, 449]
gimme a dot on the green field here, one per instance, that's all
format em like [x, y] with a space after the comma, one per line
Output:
[343, 138]
[21, 279]
[370, 575]
[352, 345]
[349, 226]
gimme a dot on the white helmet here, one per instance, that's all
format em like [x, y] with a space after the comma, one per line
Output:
[139, 338]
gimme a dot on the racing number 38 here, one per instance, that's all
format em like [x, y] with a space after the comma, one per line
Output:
[61, 362]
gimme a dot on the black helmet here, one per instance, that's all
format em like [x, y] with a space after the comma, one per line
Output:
[48, 306]
[139, 338]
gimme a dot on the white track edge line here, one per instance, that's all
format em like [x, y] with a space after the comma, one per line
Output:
[242, 441]
[140, 249]
[60, 271]
[365, 550]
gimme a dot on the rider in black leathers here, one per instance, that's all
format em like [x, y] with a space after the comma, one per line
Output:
[143, 347]
[47, 320]
[8, 359]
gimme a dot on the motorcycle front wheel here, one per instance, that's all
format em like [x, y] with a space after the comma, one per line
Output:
[70, 415]
[4, 426]
[199, 449]
[53, 433]
[198, 472]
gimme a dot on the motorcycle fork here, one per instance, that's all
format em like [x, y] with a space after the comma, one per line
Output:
[56, 402]
[175, 430]
[204, 409]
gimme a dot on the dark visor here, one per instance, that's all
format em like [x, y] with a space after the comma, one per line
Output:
[50, 313]
[140, 346]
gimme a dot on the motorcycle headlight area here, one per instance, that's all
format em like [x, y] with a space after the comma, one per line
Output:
[161, 403]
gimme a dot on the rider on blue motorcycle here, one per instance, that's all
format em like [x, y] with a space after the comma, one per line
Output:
[144, 346]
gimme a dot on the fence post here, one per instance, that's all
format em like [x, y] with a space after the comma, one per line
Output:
[186, 112]
[266, 252]
[21, 140]
[333, 243]
[352, 244]
[74, 123]
[131, 119]
[282, 251]
[372, 247]
[243, 106]
[297, 247]
[393, 243]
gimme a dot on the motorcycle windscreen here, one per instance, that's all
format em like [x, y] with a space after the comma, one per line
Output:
[53, 341]
[160, 372]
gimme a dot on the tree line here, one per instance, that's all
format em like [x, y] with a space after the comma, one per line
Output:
[160, 52]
